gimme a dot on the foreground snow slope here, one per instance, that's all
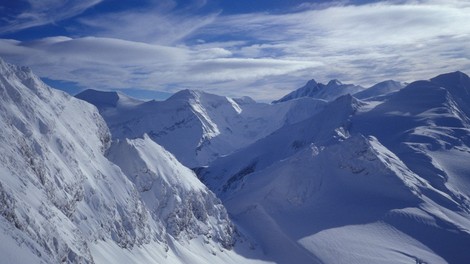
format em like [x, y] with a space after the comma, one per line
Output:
[378, 181]
[198, 127]
[62, 200]
[173, 194]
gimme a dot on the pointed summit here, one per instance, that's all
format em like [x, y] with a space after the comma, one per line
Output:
[334, 82]
[329, 92]
[185, 94]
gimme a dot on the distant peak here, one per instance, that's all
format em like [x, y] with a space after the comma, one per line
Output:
[334, 82]
[185, 94]
[93, 92]
[389, 82]
[7, 67]
[312, 82]
[2, 62]
[99, 98]
[452, 79]
[451, 75]
[244, 100]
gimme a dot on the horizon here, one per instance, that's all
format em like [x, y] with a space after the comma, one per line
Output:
[263, 49]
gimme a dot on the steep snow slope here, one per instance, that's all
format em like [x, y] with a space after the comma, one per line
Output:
[62, 200]
[427, 125]
[54, 175]
[328, 92]
[318, 191]
[326, 127]
[172, 192]
[351, 202]
[198, 127]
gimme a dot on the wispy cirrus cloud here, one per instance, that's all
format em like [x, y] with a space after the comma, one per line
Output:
[263, 55]
[41, 12]
[107, 63]
[404, 40]
[154, 25]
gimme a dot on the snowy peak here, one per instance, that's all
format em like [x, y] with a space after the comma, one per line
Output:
[380, 89]
[197, 127]
[310, 88]
[56, 177]
[244, 100]
[107, 99]
[186, 94]
[7, 69]
[203, 103]
[12, 76]
[327, 126]
[99, 98]
[452, 79]
[333, 83]
[458, 84]
[61, 198]
[328, 92]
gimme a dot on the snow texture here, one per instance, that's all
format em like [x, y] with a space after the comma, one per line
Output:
[198, 127]
[328, 174]
[61, 198]
[384, 180]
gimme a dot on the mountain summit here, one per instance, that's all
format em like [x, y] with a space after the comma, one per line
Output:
[328, 92]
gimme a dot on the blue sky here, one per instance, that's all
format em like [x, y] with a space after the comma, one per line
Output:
[259, 48]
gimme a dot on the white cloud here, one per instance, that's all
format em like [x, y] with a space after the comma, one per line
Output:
[404, 40]
[42, 12]
[161, 24]
[106, 63]
[261, 55]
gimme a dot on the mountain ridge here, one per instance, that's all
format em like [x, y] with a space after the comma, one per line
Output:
[332, 90]
[207, 125]
[63, 200]
[379, 174]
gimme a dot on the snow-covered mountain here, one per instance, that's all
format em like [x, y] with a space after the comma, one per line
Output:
[195, 126]
[379, 176]
[64, 201]
[328, 126]
[176, 199]
[108, 100]
[384, 180]
[380, 89]
[332, 90]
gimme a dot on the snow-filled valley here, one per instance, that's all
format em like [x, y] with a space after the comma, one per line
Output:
[332, 173]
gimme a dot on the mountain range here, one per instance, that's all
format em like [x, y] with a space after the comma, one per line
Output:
[333, 173]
